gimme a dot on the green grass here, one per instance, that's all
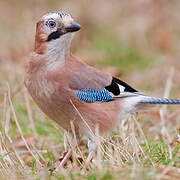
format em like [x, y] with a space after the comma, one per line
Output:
[120, 54]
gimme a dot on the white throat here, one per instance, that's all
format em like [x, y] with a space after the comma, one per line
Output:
[58, 50]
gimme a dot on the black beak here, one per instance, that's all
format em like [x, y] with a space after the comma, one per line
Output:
[73, 27]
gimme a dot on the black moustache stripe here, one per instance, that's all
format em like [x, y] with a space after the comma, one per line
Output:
[54, 35]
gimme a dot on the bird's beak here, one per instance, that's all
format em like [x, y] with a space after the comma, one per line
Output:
[73, 27]
[69, 28]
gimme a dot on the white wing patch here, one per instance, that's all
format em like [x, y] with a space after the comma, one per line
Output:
[121, 88]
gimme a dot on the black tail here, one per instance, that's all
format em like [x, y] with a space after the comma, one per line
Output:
[151, 100]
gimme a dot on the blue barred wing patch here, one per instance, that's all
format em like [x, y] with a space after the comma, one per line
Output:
[91, 95]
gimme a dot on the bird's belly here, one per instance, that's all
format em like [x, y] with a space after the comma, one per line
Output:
[86, 117]
[98, 115]
[56, 110]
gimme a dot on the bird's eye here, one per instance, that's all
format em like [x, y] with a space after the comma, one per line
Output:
[52, 24]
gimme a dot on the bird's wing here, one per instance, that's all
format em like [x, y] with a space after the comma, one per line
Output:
[92, 85]
[84, 76]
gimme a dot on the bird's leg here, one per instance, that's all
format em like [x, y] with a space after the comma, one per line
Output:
[65, 159]
[69, 153]
[92, 145]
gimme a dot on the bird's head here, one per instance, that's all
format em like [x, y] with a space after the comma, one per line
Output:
[54, 30]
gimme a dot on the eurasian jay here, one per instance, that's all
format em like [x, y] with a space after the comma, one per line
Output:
[68, 90]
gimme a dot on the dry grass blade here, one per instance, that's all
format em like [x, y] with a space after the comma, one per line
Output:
[75, 139]
[6, 119]
[99, 151]
[82, 117]
[15, 151]
[19, 128]
[4, 110]
[169, 83]
[6, 154]
[142, 134]
[163, 110]
[29, 111]
[38, 152]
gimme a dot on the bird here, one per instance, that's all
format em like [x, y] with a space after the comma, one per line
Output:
[70, 91]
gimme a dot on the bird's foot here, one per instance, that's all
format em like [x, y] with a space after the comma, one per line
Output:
[64, 161]
[90, 157]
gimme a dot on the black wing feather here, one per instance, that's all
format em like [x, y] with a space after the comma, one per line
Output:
[114, 88]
